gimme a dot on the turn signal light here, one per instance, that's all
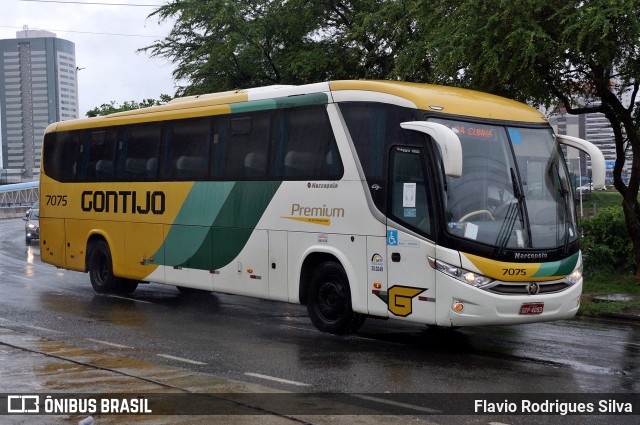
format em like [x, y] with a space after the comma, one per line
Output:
[377, 285]
[458, 307]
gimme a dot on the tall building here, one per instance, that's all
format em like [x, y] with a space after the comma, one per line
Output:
[596, 129]
[38, 86]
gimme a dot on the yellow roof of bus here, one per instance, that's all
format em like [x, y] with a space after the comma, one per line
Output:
[443, 99]
[452, 100]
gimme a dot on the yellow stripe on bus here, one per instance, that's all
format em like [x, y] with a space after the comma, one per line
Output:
[506, 271]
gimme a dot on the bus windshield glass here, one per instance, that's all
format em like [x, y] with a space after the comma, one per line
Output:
[514, 190]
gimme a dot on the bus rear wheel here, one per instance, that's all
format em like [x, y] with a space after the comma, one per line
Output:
[126, 286]
[101, 271]
[329, 300]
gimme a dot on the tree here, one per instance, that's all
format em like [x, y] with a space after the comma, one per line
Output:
[220, 45]
[128, 105]
[584, 55]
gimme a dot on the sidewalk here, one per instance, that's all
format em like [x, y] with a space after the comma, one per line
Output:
[34, 365]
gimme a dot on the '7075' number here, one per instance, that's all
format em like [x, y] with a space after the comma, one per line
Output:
[57, 200]
[514, 272]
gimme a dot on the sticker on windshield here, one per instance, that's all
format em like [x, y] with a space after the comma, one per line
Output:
[410, 213]
[516, 138]
[409, 195]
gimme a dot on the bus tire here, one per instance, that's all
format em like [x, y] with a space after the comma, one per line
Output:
[101, 268]
[329, 300]
[191, 292]
[126, 286]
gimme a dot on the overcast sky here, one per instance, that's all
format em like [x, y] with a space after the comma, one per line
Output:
[112, 68]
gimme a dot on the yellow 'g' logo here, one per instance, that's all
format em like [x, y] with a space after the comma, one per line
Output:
[400, 299]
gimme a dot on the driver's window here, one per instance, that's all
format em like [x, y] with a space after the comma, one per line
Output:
[409, 191]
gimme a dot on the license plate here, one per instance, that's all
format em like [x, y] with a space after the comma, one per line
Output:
[531, 308]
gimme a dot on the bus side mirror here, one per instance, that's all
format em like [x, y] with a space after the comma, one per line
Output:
[447, 141]
[598, 166]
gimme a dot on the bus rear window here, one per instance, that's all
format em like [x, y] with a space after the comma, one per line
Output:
[62, 153]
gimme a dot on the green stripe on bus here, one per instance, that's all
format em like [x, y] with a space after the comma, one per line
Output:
[558, 268]
[223, 216]
[278, 103]
[191, 226]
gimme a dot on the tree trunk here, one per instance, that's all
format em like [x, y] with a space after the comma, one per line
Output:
[624, 129]
[630, 208]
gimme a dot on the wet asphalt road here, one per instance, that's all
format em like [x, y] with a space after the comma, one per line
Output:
[275, 344]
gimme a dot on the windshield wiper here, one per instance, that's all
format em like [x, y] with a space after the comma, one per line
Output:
[512, 213]
[564, 193]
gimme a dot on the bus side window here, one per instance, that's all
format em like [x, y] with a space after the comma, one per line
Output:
[100, 149]
[188, 147]
[306, 147]
[141, 145]
[248, 147]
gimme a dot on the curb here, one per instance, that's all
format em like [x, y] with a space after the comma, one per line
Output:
[627, 317]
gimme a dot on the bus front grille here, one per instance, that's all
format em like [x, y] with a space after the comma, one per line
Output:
[505, 288]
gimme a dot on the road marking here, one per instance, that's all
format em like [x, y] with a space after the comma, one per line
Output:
[300, 329]
[273, 378]
[44, 329]
[180, 359]
[397, 403]
[128, 299]
[627, 343]
[112, 344]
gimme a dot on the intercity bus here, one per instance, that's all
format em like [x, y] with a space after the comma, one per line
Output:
[430, 204]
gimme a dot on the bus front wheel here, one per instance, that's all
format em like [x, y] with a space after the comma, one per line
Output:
[101, 271]
[329, 300]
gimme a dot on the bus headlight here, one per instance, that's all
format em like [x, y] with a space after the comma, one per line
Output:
[463, 275]
[575, 276]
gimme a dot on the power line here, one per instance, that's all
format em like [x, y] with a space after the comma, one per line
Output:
[94, 3]
[90, 32]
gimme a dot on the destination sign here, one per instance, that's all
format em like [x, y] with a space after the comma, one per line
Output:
[475, 132]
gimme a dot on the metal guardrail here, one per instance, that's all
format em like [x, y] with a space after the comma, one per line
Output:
[18, 194]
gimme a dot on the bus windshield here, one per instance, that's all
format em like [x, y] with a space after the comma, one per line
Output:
[514, 190]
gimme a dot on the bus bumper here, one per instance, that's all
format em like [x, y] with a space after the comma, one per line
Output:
[459, 304]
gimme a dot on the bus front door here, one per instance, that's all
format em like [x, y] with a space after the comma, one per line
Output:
[411, 291]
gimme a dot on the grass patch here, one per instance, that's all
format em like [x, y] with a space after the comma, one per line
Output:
[607, 284]
[605, 199]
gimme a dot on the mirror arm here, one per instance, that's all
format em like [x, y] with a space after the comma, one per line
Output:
[447, 141]
[598, 166]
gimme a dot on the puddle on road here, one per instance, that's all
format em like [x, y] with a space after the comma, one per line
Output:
[101, 308]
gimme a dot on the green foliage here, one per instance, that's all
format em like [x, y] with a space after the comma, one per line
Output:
[606, 245]
[603, 283]
[604, 200]
[220, 45]
[128, 105]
